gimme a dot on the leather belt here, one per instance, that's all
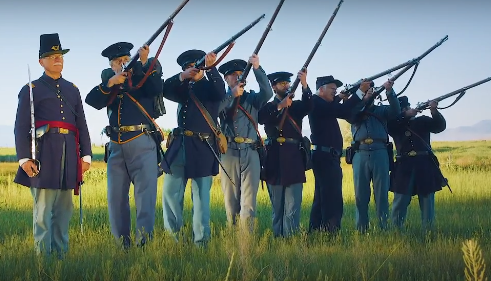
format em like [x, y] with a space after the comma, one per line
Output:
[282, 140]
[63, 131]
[327, 149]
[188, 133]
[370, 141]
[130, 128]
[240, 140]
[413, 153]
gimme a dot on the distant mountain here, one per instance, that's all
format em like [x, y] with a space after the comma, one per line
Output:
[478, 131]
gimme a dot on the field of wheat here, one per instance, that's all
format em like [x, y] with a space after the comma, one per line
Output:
[459, 248]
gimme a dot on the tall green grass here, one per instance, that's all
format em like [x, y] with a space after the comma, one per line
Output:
[233, 254]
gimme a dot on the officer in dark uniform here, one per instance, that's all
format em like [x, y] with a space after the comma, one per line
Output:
[285, 166]
[62, 138]
[327, 208]
[133, 149]
[242, 159]
[192, 146]
[416, 170]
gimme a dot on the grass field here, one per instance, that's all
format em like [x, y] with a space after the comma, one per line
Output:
[234, 255]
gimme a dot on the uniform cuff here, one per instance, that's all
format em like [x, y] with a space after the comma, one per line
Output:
[22, 161]
[87, 159]
[360, 94]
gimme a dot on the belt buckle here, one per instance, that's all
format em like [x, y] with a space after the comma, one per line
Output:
[188, 133]
[239, 139]
[63, 131]
[123, 129]
[281, 139]
[412, 153]
[368, 141]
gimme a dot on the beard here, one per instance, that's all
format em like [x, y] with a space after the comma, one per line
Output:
[281, 93]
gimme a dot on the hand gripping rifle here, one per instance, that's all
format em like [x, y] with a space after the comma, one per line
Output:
[108, 73]
[420, 106]
[243, 76]
[291, 91]
[408, 65]
[200, 64]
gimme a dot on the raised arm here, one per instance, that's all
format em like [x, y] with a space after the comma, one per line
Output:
[438, 123]
[394, 107]
[265, 91]
[175, 89]
[217, 91]
[154, 84]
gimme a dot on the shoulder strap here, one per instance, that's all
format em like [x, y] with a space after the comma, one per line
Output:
[204, 112]
[253, 123]
[294, 124]
[145, 113]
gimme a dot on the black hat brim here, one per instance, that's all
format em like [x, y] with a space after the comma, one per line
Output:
[64, 51]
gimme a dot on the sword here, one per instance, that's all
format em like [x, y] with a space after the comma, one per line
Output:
[217, 158]
[33, 126]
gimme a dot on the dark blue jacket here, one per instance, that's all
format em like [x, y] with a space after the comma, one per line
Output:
[123, 111]
[56, 152]
[210, 90]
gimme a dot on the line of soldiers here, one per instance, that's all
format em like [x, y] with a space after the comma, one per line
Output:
[201, 147]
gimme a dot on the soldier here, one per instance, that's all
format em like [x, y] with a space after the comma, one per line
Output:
[192, 146]
[62, 138]
[242, 160]
[132, 151]
[285, 164]
[327, 208]
[416, 171]
[371, 158]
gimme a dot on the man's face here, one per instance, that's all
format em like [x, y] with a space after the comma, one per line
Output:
[281, 87]
[117, 63]
[329, 91]
[231, 78]
[52, 63]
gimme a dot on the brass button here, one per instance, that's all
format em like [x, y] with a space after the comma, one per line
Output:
[61, 111]
[407, 133]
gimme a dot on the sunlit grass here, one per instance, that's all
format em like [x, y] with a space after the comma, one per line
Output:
[391, 255]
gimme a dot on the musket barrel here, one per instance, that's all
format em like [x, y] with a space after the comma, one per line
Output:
[133, 60]
[423, 105]
[201, 61]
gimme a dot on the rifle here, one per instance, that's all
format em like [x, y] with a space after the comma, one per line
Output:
[291, 91]
[351, 88]
[420, 106]
[102, 100]
[168, 22]
[247, 69]
[229, 44]
[414, 62]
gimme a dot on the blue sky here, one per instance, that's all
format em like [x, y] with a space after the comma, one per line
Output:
[365, 38]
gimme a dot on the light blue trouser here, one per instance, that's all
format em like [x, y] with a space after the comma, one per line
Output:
[52, 210]
[173, 200]
[368, 166]
[402, 201]
[132, 162]
[244, 169]
[286, 202]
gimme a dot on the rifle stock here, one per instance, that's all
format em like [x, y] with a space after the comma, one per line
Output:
[423, 105]
[135, 58]
[291, 91]
[200, 62]
[247, 69]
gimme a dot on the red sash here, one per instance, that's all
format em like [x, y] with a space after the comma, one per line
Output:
[73, 128]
